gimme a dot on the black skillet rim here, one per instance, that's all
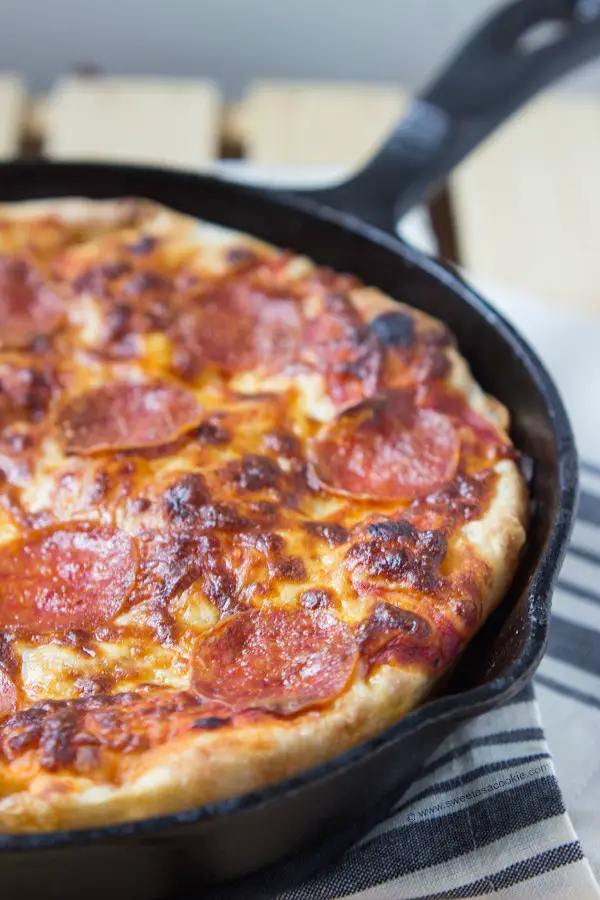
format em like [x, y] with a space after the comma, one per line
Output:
[441, 709]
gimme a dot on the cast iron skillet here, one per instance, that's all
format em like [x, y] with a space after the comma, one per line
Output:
[350, 227]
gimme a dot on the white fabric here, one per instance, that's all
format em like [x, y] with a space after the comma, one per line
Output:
[569, 345]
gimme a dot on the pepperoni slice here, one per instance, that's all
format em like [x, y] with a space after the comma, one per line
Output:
[339, 345]
[455, 406]
[8, 694]
[386, 449]
[124, 416]
[239, 327]
[275, 659]
[66, 577]
[28, 308]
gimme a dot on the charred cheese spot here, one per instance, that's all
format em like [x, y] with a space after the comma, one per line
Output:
[254, 473]
[212, 431]
[330, 532]
[283, 443]
[143, 245]
[460, 501]
[130, 722]
[399, 554]
[289, 568]
[184, 499]
[394, 329]
[241, 256]
[317, 598]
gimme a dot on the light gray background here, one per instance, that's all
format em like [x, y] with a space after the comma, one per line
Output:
[235, 40]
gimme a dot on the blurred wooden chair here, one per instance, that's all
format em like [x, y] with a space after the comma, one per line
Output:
[297, 123]
[13, 100]
[162, 121]
[526, 205]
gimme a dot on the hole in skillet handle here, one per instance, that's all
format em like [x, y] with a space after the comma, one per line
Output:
[543, 35]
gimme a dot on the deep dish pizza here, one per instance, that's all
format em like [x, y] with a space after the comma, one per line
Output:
[250, 512]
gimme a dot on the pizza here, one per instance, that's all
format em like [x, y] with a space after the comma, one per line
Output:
[251, 512]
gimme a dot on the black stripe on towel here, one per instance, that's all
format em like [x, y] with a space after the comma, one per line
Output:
[588, 466]
[579, 592]
[573, 693]
[584, 553]
[518, 736]
[467, 777]
[589, 508]
[524, 696]
[575, 645]
[532, 867]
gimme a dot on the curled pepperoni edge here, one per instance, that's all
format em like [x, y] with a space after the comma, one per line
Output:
[19, 547]
[103, 445]
[322, 448]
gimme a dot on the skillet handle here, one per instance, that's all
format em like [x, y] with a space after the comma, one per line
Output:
[488, 79]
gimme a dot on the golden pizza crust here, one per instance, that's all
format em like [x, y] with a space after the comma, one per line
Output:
[204, 767]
